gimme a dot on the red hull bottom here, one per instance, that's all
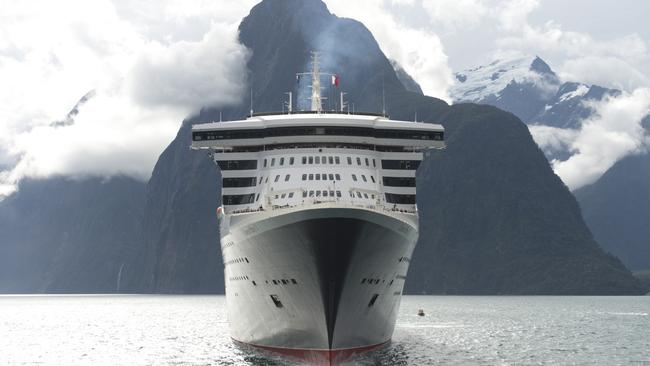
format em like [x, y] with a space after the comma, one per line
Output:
[320, 357]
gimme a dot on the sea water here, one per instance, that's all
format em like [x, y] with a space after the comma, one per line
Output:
[456, 330]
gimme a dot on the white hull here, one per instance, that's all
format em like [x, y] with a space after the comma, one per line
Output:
[328, 261]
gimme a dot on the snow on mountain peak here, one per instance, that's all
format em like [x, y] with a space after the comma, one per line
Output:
[474, 85]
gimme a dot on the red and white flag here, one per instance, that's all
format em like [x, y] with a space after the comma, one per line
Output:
[335, 80]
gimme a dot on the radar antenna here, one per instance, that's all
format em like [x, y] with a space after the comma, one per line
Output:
[315, 83]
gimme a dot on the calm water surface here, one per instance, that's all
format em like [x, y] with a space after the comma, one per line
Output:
[193, 330]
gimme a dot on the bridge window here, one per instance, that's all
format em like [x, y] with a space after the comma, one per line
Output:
[237, 164]
[318, 160]
[286, 177]
[291, 195]
[354, 177]
[372, 178]
[304, 177]
[277, 177]
[399, 181]
[272, 161]
[281, 161]
[367, 163]
[304, 194]
[358, 161]
[304, 160]
[349, 160]
[311, 177]
[239, 182]
[338, 161]
[238, 199]
[364, 178]
[338, 193]
[400, 164]
[265, 163]
[291, 161]
[311, 160]
[331, 159]
[402, 199]
[331, 176]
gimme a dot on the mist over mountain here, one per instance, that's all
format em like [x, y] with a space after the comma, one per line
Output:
[494, 218]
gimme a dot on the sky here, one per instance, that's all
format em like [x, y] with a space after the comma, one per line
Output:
[149, 64]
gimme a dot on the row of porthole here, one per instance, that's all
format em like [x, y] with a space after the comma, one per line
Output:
[283, 282]
[238, 278]
[237, 260]
[374, 281]
[320, 160]
[404, 259]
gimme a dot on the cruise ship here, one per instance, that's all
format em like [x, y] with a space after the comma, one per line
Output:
[318, 225]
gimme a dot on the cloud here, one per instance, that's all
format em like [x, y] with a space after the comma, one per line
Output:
[144, 81]
[418, 51]
[611, 133]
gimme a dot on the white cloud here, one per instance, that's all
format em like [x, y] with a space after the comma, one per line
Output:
[419, 52]
[611, 133]
[145, 80]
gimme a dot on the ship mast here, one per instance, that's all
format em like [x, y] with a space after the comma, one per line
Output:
[315, 84]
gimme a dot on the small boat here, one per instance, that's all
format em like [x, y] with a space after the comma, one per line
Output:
[421, 312]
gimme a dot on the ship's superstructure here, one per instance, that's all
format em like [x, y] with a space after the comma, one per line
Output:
[318, 223]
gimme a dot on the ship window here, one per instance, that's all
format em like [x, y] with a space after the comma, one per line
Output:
[304, 177]
[284, 282]
[304, 160]
[331, 193]
[331, 159]
[317, 193]
[338, 177]
[265, 163]
[257, 197]
[367, 163]
[352, 194]
[359, 194]
[237, 164]
[276, 301]
[331, 176]
[238, 199]
[260, 180]
[349, 160]
[372, 300]
[338, 193]
[283, 195]
[318, 160]
[311, 193]
[277, 177]
[358, 161]
[402, 199]
[374, 163]
[400, 164]
[372, 178]
[325, 194]
[286, 177]
[373, 196]
[311, 177]
[277, 196]
[311, 160]
[246, 260]
[324, 176]
[399, 181]
[317, 176]
[238, 182]
[266, 180]
[337, 160]
[254, 284]
[275, 282]
[293, 280]
[354, 177]
[364, 178]
[304, 194]
[281, 161]
[291, 161]
[363, 281]
[291, 195]
[324, 159]
[365, 195]
[272, 161]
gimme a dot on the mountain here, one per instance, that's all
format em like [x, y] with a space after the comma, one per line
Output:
[63, 235]
[529, 89]
[494, 217]
[617, 209]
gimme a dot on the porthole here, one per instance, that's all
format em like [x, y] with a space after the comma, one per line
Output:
[277, 177]
[286, 177]
[364, 178]
[354, 177]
